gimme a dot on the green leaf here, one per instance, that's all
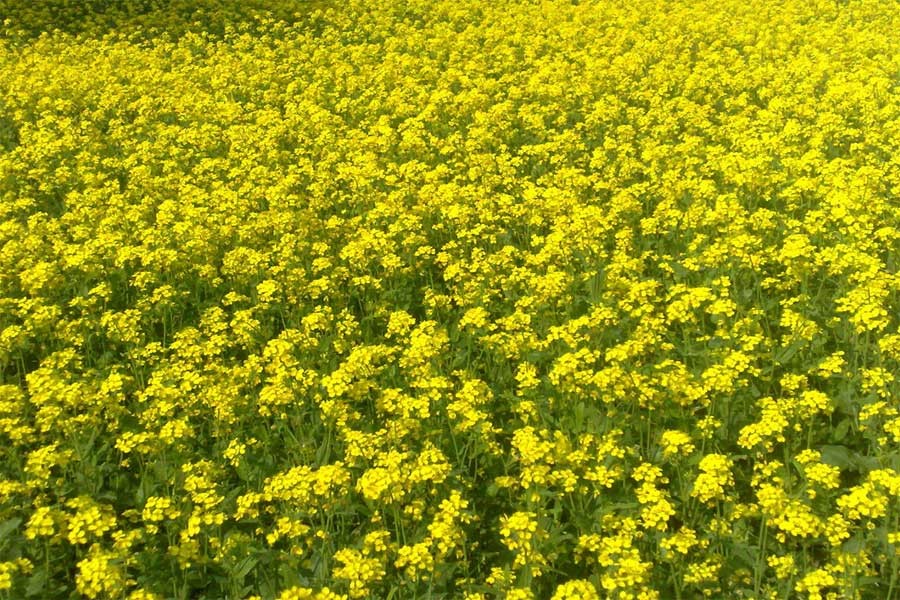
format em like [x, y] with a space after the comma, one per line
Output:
[787, 353]
[36, 584]
[8, 527]
[840, 432]
[842, 457]
[744, 554]
[854, 545]
[246, 566]
[837, 456]
[864, 464]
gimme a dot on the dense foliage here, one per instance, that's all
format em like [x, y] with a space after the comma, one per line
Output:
[451, 298]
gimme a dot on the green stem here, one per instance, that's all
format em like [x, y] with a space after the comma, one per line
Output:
[760, 568]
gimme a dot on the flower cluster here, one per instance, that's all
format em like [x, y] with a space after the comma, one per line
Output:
[306, 299]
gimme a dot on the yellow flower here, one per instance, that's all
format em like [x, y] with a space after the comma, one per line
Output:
[715, 476]
[41, 523]
[100, 574]
[676, 443]
[359, 571]
[577, 589]
[416, 560]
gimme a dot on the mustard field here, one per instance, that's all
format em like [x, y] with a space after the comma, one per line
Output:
[407, 299]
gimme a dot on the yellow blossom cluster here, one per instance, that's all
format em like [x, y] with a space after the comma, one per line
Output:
[320, 300]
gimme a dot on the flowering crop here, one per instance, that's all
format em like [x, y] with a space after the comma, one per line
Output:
[449, 299]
